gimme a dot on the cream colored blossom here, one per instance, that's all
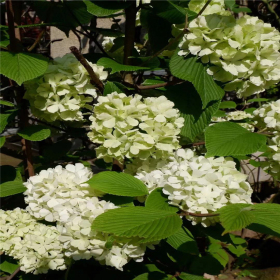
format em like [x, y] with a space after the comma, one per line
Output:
[244, 52]
[55, 193]
[127, 126]
[197, 184]
[36, 246]
[63, 91]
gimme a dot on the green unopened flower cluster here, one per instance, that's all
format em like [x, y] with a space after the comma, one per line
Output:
[35, 245]
[128, 126]
[244, 52]
[63, 91]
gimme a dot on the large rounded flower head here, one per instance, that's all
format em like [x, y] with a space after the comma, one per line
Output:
[268, 115]
[35, 245]
[55, 193]
[244, 52]
[197, 184]
[214, 7]
[81, 242]
[63, 91]
[128, 126]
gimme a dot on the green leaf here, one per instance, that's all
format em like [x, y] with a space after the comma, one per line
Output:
[6, 118]
[158, 200]
[187, 100]
[22, 67]
[219, 253]
[230, 139]
[4, 37]
[238, 250]
[187, 276]
[113, 86]
[105, 8]
[228, 105]
[115, 183]
[192, 70]
[35, 133]
[183, 241]
[235, 8]
[122, 201]
[6, 103]
[11, 188]
[236, 216]
[8, 266]
[2, 141]
[154, 275]
[257, 100]
[117, 67]
[147, 224]
[9, 173]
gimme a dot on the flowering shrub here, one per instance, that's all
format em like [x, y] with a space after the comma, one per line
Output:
[134, 157]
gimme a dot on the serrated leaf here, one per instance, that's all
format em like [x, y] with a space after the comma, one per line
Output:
[187, 276]
[154, 275]
[105, 8]
[236, 216]
[113, 86]
[11, 188]
[35, 133]
[238, 250]
[230, 139]
[22, 67]
[147, 224]
[187, 100]
[122, 201]
[8, 265]
[183, 241]
[158, 200]
[219, 254]
[115, 183]
[192, 70]
[4, 37]
[117, 67]
[6, 103]
[2, 141]
[228, 105]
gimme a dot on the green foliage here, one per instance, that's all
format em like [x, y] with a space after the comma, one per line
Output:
[4, 38]
[155, 275]
[192, 70]
[35, 133]
[228, 105]
[2, 141]
[230, 139]
[105, 8]
[6, 103]
[196, 118]
[8, 264]
[187, 276]
[158, 200]
[5, 118]
[22, 67]
[231, 4]
[118, 184]
[113, 86]
[183, 241]
[146, 224]
[117, 67]
[122, 201]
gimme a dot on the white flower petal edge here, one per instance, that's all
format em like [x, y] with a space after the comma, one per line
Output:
[197, 184]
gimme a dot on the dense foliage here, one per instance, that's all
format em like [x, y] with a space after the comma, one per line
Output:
[133, 154]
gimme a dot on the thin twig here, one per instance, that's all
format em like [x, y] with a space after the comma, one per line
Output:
[14, 274]
[94, 78]
[37, 40]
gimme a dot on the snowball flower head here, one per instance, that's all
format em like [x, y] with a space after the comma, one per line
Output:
[81, 242]
[128, 126]
[214, 7]
[244, 52]
[35, 245]
[268, 115]
[197, 184]
[63, 91]
[55, 193]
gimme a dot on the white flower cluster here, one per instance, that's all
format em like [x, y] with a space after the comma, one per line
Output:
[62, 195]
[272, 165]
[236, 116]
[126, 126]
[54, 193]
[35, 245]
[244, 52]
[197, 184]
[268, 115]
[63, 91]
[214, 7]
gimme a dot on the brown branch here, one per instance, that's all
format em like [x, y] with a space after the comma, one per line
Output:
[14, 274]
[198, 215]
[93, 77]
[130, 19]
[14, 19]
[203, 9]
[37, 40]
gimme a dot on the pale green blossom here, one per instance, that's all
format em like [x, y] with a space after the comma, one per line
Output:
[63, 91]
[128, 126]
[36, 246]
[214, 7]
[197, 184]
